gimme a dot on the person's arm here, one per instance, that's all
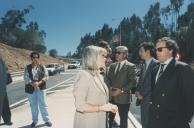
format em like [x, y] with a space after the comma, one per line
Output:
[9, 78]
[46, 75]
[81, 88]
[45, 78]
[3, 77]
[96, 108]
[27, 79]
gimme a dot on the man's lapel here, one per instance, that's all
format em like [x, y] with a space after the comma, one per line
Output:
[121, 70]
[167, 73]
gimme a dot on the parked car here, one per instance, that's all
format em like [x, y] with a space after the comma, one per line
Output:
[52, 68]
[74, 65]
[61, 68]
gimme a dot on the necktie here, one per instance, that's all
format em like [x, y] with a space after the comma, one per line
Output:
[118, 68]
[161, 70]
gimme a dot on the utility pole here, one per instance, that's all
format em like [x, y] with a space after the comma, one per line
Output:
[120, 35]
[120, 31]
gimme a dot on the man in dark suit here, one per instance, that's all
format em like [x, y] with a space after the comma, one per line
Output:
[172, 99]
[3, 93]
[6, 115]
[143, 93]
[120, 80]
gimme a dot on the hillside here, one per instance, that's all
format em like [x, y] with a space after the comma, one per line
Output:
[17, 58]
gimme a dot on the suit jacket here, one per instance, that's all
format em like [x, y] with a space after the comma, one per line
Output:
[125, 79]
[87, 90]
[145, 88]
[3, 81]
[3, 75]
[172, 99]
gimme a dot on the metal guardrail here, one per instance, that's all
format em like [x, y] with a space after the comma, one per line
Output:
[134, 121]
[12, 106]
[15, 74]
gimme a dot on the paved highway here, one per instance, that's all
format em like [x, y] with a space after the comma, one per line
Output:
[16, 91]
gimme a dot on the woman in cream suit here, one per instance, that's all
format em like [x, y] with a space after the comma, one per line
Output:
[90, 92]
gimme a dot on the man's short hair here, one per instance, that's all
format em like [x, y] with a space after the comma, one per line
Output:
[103, 44]
[35, 55]
[122, 49]
[148, 46]
[170, 44]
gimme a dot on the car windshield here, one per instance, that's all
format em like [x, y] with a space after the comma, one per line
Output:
[75, 62]
[49, 66]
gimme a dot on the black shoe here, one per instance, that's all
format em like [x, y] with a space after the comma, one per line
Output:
[49, 124]
[8, 123]
[33, 125]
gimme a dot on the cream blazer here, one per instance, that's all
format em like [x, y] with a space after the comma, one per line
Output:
[88, 89]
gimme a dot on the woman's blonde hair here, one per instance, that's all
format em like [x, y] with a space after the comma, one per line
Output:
[90, 57]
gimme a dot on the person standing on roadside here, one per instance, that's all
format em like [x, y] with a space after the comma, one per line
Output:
[108, 60]
[90, 92]
[35, 76]
[4, 103]
[143, 90]
[172, 98]
[120, 80]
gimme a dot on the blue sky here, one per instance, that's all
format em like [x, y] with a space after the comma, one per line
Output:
[66, 21]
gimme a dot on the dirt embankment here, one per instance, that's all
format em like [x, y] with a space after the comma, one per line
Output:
[16, 58]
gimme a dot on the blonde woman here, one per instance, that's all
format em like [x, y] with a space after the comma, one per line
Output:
[90, 92]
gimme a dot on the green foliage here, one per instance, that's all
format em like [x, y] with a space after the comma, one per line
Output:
[13, 33]
[68, 54]
[53, 53]
[105, 33]
[157, 22]
[184, 35]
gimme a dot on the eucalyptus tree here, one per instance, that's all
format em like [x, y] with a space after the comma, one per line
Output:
[12, 20]
[173, 11]
[153, 26]
[105, 33]
[185, 34]
[53, 53]
[88, 39]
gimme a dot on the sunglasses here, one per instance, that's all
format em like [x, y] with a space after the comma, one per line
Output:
[160, 49]
[35, 57]
[118, 53]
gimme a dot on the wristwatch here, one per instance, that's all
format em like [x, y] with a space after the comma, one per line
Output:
[122, 90]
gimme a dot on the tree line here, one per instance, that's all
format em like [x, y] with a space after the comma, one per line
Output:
[14, 33]
[156, 23]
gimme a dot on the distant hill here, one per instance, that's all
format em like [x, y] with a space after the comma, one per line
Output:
[17, 58]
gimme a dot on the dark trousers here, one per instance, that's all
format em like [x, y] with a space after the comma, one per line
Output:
[145, 104]
[2, 95]
[123, 110]
[6, 114]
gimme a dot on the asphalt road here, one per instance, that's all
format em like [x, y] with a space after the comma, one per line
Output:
[135, 110]
[16, 90]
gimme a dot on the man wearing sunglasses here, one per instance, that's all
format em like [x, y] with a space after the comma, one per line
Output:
[172, 99]
[35, 76]
[120, 80]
